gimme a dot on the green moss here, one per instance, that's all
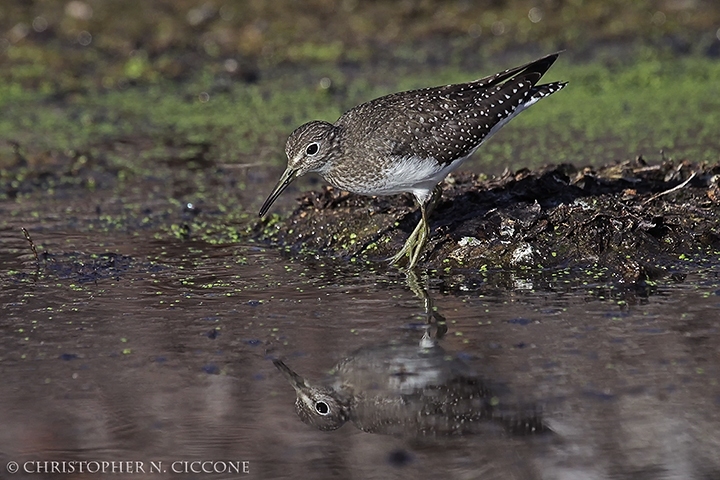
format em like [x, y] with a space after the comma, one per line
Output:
[606, 113]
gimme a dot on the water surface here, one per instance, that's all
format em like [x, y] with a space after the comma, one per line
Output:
[125, 348]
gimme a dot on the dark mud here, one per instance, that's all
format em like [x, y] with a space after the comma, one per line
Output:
[631, 221]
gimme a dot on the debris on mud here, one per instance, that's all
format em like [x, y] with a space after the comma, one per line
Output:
[627, 219]
[82, 268]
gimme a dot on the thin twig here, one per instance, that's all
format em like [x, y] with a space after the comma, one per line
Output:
[241, 165]
[32, 245]
[675, 188]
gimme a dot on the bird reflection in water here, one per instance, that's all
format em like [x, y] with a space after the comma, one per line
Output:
[408, 389]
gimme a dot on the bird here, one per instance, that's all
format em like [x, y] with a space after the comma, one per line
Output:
[410, 141]
[407, 389]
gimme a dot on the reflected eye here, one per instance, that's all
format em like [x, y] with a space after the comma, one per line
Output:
[312, 149]
[322, 408]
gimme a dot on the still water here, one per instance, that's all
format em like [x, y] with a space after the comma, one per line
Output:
[126, 349]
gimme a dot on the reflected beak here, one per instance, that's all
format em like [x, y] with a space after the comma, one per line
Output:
[286, 179]
[295, 380]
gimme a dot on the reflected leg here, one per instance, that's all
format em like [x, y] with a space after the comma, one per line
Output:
[436, 325]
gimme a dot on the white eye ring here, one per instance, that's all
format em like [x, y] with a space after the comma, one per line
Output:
[312, 149]
[322, 408]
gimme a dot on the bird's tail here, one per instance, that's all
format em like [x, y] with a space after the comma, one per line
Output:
[541, 91]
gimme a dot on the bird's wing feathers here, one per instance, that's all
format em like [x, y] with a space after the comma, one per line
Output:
[541, 65]
[455, 126]
[447, 122]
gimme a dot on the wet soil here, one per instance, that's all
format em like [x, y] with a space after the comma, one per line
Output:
[631, 221]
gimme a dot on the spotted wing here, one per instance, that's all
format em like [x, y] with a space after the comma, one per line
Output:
[449, 122]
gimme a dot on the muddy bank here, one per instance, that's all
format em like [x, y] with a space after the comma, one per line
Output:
[629, 220]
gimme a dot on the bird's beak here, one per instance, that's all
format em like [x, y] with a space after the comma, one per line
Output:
[286, 179]
[295, 380]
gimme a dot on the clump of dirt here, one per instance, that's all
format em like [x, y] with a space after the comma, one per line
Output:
[627, 219]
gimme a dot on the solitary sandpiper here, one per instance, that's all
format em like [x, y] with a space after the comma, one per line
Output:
[408, 390]
[410, 141]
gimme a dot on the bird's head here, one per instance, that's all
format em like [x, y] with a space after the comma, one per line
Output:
[310, 148]
[320, 407]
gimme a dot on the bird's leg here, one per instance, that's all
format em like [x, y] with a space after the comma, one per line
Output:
[417, 240]
[422, 239]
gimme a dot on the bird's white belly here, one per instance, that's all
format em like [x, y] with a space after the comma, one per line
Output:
[412, 174]
[415, 175]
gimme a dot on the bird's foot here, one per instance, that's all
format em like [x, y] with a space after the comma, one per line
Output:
[404, 254]
[409, 254]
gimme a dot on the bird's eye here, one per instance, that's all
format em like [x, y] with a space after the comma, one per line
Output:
[312, 149]
[322, 408]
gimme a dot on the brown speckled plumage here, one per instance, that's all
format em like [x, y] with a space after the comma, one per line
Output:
[410, 141]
